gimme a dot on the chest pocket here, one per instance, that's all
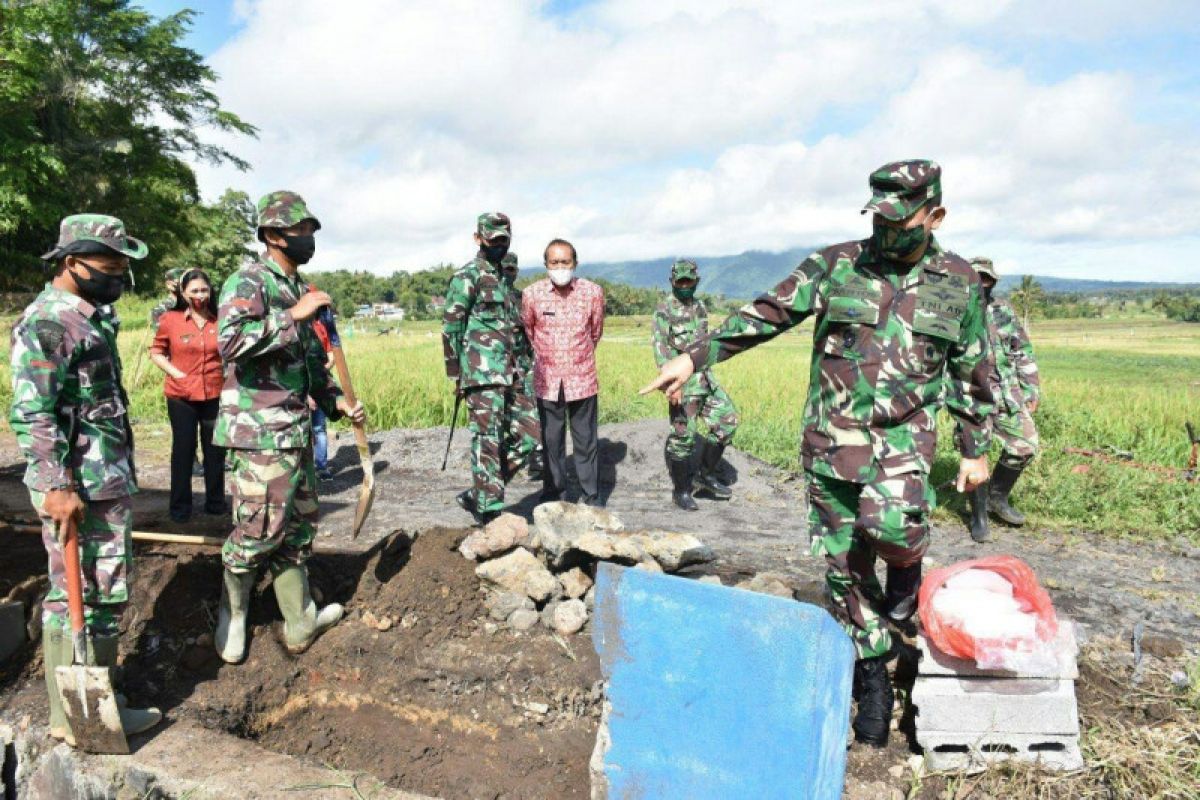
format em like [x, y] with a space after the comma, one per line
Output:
[855, 302]
[941, 304]
[489, 306]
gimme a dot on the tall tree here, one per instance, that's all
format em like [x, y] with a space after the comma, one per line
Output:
[100, 107]
[1026, 298]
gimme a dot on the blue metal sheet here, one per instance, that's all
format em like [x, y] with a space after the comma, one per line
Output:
[718, 692]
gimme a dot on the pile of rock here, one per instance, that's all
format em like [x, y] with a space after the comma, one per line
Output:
[544, 573]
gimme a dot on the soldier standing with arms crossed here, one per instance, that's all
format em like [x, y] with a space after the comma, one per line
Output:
[478, 341]
[273, 363]
[898, 319]
[679, 321]
[71, 417]
[1017, 389]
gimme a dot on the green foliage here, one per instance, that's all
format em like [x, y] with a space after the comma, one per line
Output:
[100, 105]
[221, 234]
[1181, 307]
[1027, 298]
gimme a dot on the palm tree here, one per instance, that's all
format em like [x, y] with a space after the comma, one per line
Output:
[1027, 297]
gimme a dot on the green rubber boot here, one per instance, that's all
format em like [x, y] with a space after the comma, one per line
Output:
[230, 638]
[303, 622]
[103, 649]
[57, 651]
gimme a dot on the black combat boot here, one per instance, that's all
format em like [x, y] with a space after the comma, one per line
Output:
[467, 503]
[902, 586]
[873, 691]
[979, 511]
[681, 477]
[707, 481]
[1001, 485]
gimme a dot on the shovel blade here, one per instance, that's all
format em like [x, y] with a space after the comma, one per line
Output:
[91, 707]
[366, 497]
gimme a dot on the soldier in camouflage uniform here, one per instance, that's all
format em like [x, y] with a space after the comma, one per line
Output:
[678, 322]
[273, 363]
[523, 435]
[479, 342]
[899, 321]
[171, 284]
[70, 414]
[1017, 389]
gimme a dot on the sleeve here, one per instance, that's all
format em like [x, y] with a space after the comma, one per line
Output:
[791, 302]
[460, 296]
[247, 326]
[660, 335]
[969, 397]
[1020, 353]
[597, 319]
[161, 346]
[41, 359]
[528, 317]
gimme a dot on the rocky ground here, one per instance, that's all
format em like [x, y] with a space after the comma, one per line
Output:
[428, 688]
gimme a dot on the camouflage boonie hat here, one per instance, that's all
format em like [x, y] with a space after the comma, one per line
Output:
[900, 188]
[509, 262]
[493, 225]
[683, 269]
[283, 209]
[98, 228]
[984, 267]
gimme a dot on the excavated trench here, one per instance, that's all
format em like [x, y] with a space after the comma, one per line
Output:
[414, 687]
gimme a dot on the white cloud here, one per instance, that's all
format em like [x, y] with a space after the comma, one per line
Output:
[687, 126]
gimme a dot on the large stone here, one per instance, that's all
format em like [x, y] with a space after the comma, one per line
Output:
[767, 583]
[499, 536]
[521, 572]
[575, 583]
[570, 616]
[672, 550]
[604, 546]
[558, 525]
[523, 619]
[501, 604]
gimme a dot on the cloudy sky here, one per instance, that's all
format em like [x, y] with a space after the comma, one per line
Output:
[1069, 132]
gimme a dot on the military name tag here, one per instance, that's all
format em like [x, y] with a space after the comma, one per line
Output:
[941, 304]
[857, 300]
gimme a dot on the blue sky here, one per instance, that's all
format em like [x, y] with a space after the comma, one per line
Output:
[1068, 131]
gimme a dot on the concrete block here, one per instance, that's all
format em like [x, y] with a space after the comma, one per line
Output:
[996, 705]
[935, 662]
[12, 627]
[976, 752]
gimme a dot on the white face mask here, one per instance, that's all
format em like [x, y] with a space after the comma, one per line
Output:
[561, 277]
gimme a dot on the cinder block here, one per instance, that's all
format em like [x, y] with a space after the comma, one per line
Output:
[996, 705]
[974, 752]
[935, 662]
[12, 627]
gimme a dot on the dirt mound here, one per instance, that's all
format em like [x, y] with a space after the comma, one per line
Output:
[413, 686]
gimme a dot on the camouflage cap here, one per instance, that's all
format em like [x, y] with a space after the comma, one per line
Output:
[174, 274]
[97, 228]
[283, 209]
[509, 262]
[493, 225]
[900, 188]
[984, 266]
[684, 269]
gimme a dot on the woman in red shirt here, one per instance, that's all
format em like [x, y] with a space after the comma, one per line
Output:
[185, 348]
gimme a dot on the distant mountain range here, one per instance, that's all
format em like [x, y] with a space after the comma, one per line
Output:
[754, 271]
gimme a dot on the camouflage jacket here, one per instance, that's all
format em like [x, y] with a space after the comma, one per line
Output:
[69, 409]
[522, 347]
[886, 343]
[478, 326]
[1015, 374]
[677, 325]
[272, 363]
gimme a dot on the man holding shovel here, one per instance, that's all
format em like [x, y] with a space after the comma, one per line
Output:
[70, 414]
[273, 363]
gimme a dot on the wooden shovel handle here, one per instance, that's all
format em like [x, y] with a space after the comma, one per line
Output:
[70, 548]
[343, 371]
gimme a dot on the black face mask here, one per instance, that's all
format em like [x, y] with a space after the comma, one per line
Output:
[495, 252]
[300, 247]
[99, 288]
[987, 294]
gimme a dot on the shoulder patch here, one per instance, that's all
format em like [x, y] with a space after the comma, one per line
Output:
[50, 334]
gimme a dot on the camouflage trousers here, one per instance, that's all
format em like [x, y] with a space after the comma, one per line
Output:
[523, 431]
[503, 437]
[717, 412]
[851, 523]
[105, 559]
[274, 495]
[1018, 434]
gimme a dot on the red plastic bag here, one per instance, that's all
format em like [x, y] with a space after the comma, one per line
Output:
[949, 636]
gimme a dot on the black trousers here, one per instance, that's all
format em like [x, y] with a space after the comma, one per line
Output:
[188, 416]
[582, 414]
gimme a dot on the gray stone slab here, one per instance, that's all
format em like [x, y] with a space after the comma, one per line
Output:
[976, 752]
[996, 705]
